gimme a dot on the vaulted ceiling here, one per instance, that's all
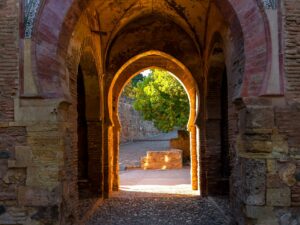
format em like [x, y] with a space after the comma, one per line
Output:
[130, 27]
[189, 15]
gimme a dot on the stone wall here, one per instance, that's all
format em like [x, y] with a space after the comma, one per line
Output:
[266, 170]
[182, 142]
[133, 125]
[291, 26]
[9, 57]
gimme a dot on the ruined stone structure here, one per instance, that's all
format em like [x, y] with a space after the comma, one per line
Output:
[63, 65]
[133, 126]
[162, 160]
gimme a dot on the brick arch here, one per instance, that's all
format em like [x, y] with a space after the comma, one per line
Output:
[56, 21]
[153, 59]
[84, 61]
[88, 125]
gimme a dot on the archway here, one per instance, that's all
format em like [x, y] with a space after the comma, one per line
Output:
[89, 128]
[57, 43]
[153, 59]
[218, 109]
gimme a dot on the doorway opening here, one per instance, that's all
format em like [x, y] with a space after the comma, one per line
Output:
[89, 129]
[133, 67]
[154, 110]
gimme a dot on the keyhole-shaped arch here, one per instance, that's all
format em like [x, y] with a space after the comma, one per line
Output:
[153, 59]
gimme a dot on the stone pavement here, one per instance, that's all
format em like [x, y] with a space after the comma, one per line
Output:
[160, 198]
[131, 153]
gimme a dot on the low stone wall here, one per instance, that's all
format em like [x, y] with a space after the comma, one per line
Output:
[133, 125]
[171, 159]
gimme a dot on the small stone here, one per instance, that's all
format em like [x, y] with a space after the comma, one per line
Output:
[285, 219]
[294, 222]
[287, 172]
[279, 197]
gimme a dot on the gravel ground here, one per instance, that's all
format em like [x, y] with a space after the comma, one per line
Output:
[160, 197]
[179, 206]
[160, 211]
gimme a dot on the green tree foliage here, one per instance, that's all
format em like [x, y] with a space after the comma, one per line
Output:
[129, 88]
[160, 98]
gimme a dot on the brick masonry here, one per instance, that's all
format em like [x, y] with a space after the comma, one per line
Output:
[9, 57]
[291, 18]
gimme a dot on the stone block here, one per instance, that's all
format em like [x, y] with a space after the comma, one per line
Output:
[272, 166]
[257, 120]
[47, 214]
[279, 144]
[254, 181]
[285, 218]
[267, 221]
[274, 181]
[171, 159]
[287, 174]
[23, 156]
[15, 176]
[258, 143]
[45, 139]
[30, 196]
[43, 177]
[279, 196]
[260, 118]
[256, 212]
[47, 155]
[3, 168]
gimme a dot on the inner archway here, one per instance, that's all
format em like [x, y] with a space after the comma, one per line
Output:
[154, 147]
[152, 59]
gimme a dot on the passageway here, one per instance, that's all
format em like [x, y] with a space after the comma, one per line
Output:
[81, 55]
[155, 197]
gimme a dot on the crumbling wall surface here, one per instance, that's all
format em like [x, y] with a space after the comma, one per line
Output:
[266, 174]
[133, 125]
